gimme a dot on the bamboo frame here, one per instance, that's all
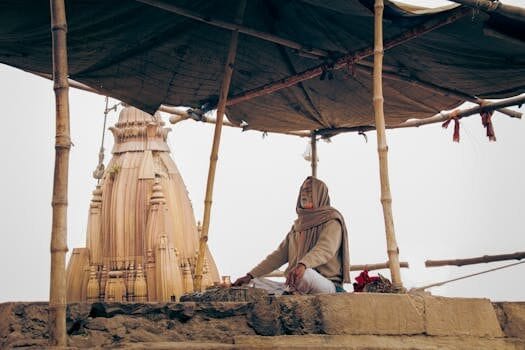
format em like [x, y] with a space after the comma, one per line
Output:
[57, 292]
[313, 159]
[477, 260]
[223, 96]
[347, 59]
[495, 6]
[237, 27]
[382, 147]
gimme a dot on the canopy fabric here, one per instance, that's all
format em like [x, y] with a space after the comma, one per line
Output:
[146, 56]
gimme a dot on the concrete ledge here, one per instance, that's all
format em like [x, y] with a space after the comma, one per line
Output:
[459, 316]
[372, 313]
[371, 342]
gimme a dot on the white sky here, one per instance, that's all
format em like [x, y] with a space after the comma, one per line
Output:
[449, 200]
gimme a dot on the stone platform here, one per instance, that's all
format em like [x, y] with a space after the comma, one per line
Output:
[251, 320]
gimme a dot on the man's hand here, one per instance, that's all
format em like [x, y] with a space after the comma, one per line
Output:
[242, 280]
[295, 275]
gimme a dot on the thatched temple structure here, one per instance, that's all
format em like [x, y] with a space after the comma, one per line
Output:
[142, 238]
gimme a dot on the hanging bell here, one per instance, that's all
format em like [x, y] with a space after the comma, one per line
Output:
[307, 154]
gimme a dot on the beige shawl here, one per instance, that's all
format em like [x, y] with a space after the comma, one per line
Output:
[311, 222]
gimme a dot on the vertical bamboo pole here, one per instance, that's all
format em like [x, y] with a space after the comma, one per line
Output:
[382, 147]
[314, 154]
[57, 293]
[221, 106]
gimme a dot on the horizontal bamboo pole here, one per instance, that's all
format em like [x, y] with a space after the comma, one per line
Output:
[438, 118]
[379, 266]
[477, 260]
[438, 89]
[167, 6]
[347, 59]
[368, 267]
[441, 117]
[514, 12]
[179, 114]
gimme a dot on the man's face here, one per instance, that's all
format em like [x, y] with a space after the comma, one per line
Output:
[306, 199]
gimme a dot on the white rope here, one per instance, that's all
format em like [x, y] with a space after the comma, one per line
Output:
[467, 276]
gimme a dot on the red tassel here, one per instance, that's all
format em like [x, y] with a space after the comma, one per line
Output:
[445, 124]
[486, 120]
[455, 136]
[453, 116]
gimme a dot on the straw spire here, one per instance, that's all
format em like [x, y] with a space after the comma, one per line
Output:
[140, 216]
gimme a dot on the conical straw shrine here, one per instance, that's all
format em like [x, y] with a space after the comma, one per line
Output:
[142, 237]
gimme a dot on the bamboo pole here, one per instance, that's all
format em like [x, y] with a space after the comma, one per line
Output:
[314, 154]
[382, 148]
[347, 59]
[223, 96]
[437, 89]
[440, 117]
[514, 12]
[57, 293]
[477, 260]
[178, 115]
[437, 118]
[329, 132]
[368, 267]
[379, 266]
[237, 27]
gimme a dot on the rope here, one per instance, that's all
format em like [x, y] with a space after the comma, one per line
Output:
[99, 171]
[467, 276]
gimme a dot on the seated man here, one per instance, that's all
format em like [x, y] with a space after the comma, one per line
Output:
[316, 248]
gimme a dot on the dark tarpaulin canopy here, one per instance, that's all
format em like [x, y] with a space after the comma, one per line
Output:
[147, 56]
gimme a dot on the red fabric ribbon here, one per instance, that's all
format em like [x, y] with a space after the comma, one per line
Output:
[453, 116]
[486, 120]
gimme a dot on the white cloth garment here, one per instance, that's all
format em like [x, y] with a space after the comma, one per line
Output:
[311, 283]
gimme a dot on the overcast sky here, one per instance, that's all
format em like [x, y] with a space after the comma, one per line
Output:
[449, 200]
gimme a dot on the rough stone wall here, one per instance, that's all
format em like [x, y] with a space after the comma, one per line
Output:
[25, 324]
[351, 318]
